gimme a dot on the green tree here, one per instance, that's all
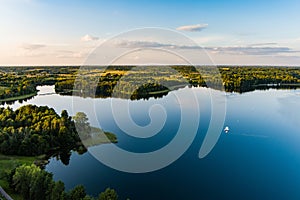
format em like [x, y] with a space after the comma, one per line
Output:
[81, 118]
[82, 125]
[64, 114]
[40, 185]
[57, 191]
[108, 194]
[36, 184]
[23, 177]
[77, 193]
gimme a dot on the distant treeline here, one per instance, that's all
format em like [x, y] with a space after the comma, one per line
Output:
[244, 79]
[136, 82]
[153, 83]
[19, 83]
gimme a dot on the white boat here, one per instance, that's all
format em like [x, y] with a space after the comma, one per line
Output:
[226, 129]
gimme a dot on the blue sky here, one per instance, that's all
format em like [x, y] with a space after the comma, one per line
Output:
[36, 32]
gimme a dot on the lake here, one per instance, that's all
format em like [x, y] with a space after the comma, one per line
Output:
[258, 159]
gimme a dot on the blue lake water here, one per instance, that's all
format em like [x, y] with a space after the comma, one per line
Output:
[258, 159]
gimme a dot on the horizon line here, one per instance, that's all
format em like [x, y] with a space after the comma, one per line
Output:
[131, 65]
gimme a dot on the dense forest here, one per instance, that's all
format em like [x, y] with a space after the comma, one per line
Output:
[12, 86]
[32, 130]
[38, 130]
[244, 79]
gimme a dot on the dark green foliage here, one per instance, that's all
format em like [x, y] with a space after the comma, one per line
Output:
[33, 183]
[33, 130]
[13, 86]
[244, 79]
[112, 137]
[65, 86]
[108, 194]
[77, 193]
[39, 186]
[56, 190]
[148, 90]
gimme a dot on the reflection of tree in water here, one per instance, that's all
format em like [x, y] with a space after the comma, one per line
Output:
[11, 102]
[64, 157]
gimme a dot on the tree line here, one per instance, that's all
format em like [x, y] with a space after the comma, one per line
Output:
[12, 86]
[141, 81]
[34, 183]
[149, 81]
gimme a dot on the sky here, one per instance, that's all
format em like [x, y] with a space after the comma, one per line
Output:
[57, 32]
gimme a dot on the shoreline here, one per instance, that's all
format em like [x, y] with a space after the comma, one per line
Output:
[17, 98]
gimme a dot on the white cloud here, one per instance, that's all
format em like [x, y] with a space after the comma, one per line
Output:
[88, 38]
[251, 50]
[140, 44]
[192, 28]
[30, 50]
[264, 44]
[31, 47]
[254, 49]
